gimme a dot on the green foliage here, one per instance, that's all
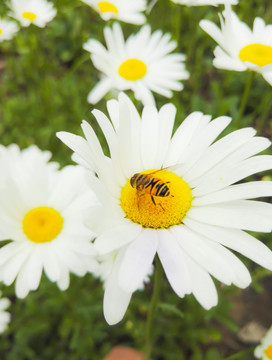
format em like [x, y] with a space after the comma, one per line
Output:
[45, 77]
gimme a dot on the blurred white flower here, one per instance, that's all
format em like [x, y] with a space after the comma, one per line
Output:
[175, 196]
[4, 315]
[7, 29]
[37, 12]
[42, 212]
[142, 63]
[128, 11]
[241, 48]
[264, 350]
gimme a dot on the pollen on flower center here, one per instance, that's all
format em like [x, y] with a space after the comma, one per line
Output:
[105, 6]
[132, 69]
[258, 54]
[156, 199]
[29, 15]
[268, 352]
[42, 224]
[1, 31]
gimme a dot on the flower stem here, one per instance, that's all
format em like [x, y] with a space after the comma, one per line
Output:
[152, 307]
[244, 99]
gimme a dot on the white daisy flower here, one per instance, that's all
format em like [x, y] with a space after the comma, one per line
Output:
[204, 2]
[4, 315]
[42, 212]
[7, 29]
[175, 196]
[128, 11]
[37, 12]
[264, 350]
[143, 64]
[241, 48]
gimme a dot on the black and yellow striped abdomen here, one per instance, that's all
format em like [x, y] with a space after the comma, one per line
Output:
[150, 185]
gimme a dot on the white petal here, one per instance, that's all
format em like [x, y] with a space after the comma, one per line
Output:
[106, 127]
[203, 287]
[202, 141]
[182, 137]
[239, 214]
[4, 303]
[102, 167]
[51, 263]
[21, 284]
[237, 240]
[167, 115]
[137, 260]
[72, 261]
[268, 77]
[78, 145]
[113, 110]
[174, 263]
[229, 173]
[128, 137]
[10, 250]
[100, 90]
[218, 151]
[149, 136]
[34, 269]
[251, 190]
[13, 267]
[116, 237]
[116, 300]
[64, 280]
[143, 94]
[213, 31]
[217, 260]
[224, 61]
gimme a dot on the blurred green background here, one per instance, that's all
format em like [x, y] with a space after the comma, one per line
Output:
[45, 76]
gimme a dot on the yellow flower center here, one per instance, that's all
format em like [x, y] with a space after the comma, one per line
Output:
[156, 199]
[29, 15]
[132, 69]
[1, 31]
[268, 352]
[258, 54]
[42, 224]
[105, 6]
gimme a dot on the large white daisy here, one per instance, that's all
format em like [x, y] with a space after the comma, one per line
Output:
[37, 12]
[184, 202]
[142, 63]
[241, 48]
[7, 29]
[124, 10]
[204, 2]
[4, 315]
[42, 212]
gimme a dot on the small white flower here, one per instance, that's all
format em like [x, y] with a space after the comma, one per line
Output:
[7, 29]
[204, 2]
[42, 212]
[37, 12]
[4, 315]
[241, 48]
[176, 196]
[264, 350]
[143, 64]
[124, 10]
